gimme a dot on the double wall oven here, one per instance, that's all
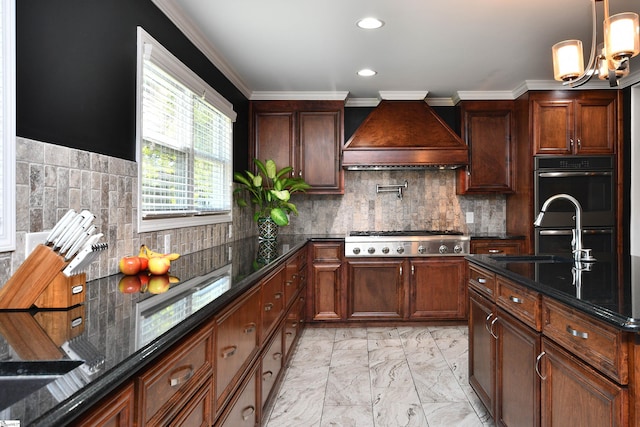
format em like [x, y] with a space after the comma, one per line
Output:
[591, 180]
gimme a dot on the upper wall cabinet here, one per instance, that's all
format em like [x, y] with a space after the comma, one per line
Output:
[306, 135]
[574, 122]
[488, 129]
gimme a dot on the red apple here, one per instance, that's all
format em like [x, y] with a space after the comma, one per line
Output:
[129, 284]
[130, 265]
[159, 265]
[158, 283]
[144, 263]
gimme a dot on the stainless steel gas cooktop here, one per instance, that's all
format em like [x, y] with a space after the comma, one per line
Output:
[406, 243]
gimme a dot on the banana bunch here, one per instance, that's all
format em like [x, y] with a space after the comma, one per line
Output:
[147, 253]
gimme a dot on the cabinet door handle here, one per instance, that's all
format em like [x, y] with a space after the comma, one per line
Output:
[268, 306]
[247, 412]
[579, 143]
[229, 351]
[495, 251]
[515, 299]
[486, 322]
[491, 330]
[267, 375]
[482, 280]
[400, 270]
[576, 333]
[571, 142]
[277, 295]
[179, 380]
[249, 328]
[538, 359]
[413, 270]
[277, 356]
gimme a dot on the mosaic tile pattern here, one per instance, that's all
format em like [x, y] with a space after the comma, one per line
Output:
[381, 376]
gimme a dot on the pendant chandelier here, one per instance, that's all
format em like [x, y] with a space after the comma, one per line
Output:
[610, 60]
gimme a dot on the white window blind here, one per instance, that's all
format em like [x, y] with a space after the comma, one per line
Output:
[185, 153]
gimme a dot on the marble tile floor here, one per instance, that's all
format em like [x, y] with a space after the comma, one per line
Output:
[379, 377]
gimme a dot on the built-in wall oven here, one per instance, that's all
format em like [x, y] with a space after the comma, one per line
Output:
[590, 180]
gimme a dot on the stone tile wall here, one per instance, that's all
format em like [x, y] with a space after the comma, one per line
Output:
[428, 202]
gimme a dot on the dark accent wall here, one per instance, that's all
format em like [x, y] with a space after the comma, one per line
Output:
[76, 73]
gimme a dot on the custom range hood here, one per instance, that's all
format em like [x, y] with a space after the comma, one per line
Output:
[404, 135]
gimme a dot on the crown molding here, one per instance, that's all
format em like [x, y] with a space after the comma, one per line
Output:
[299, 95]
[193, 34]
[411, 95]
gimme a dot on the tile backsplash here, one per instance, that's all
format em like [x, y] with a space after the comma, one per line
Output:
[51, 179]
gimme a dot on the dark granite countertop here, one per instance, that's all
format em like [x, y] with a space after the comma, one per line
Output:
[116, 333]
[593, 288]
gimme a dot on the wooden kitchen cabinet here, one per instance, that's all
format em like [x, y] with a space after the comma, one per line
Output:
[575, 394]
[482, 349]
[306, 135]
[165, 388]
[375, 288]
[272, 302]
[325, 292]
[437, 288]
[574, 122]
[488, 129]
[236, 342]
[496, 246]
[116, 410]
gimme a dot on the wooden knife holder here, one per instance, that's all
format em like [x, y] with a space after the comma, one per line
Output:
[39, 281]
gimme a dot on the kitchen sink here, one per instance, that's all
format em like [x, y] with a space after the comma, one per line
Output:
[18, 379]
[530, 258]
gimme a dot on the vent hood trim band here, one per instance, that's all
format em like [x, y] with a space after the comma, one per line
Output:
[404, 135]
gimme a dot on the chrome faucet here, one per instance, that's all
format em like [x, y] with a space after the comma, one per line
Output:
[579, 253]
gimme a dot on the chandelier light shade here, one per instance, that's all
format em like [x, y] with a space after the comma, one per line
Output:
[621, 34]
[568, 63]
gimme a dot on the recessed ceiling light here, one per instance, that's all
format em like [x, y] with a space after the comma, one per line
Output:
[366, 72]
[369, 23]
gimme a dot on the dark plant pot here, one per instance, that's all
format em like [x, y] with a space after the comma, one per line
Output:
[267, 229]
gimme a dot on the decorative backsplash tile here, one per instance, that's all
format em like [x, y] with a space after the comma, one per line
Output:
[51, 179]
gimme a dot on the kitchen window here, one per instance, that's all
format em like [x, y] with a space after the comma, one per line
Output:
[7, 126]
[184, 142]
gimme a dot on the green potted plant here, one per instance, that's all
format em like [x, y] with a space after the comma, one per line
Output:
[269, 190]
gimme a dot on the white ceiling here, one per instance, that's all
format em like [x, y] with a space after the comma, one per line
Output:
[452, 49]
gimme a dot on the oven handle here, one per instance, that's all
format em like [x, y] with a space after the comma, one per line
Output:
[570, 174]
[566, 232]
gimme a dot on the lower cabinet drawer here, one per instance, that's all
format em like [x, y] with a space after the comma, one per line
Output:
[482, 280]
[522, 303]
[236, 341]
[598, 344]
[271, 365]
[166, 387]
[242, 411]
[197, 411]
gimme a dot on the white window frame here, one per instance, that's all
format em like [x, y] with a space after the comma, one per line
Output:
[147, 45]
[8, 128]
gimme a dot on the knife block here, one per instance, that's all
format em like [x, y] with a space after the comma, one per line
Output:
[30, 283]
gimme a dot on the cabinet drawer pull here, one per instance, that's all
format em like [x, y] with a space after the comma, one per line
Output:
[575, 333]
[294, 324]
[495, 251]
[288, 282]
[515, 299]
[482, 280]
[229, 351]
[277, 295]
[538, 359]
[247, 412]
[277, 356]
[250, 328]
[76, 322]
[179, 380]
[267, 375]
[288, 333]
[268, 306]
[76, 289]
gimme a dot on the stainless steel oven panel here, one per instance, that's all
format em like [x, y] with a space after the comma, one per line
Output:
[595, 190]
